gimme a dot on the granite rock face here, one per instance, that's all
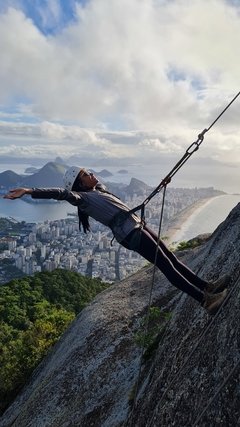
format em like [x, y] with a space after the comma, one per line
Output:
[191, 379]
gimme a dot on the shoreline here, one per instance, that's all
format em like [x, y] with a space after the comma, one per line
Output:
[177, 222]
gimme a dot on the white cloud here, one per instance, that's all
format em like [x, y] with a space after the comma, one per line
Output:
[115, 59]
[161, 70]
[50, 139]
[156, 144]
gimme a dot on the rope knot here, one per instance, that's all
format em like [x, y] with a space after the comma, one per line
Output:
[201, 135]
[166, 181]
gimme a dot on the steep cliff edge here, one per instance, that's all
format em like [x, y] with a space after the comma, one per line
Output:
[88, 378]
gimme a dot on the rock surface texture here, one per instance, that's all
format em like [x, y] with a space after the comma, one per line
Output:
[191, 379]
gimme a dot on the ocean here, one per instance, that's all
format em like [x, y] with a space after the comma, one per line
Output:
[34, 212]
[207, 217]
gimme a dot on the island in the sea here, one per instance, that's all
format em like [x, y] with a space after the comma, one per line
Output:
[122, 171]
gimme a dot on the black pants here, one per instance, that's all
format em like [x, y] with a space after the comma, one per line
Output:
[176, 272]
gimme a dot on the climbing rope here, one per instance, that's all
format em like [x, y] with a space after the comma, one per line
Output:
[162, 186]
[149, 305]
[189, 152]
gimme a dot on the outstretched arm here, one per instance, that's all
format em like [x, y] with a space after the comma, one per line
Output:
[47, 193]
[16, 193]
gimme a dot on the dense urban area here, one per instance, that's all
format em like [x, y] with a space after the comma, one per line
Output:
[26, 248]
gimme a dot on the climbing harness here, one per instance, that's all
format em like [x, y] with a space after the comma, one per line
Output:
[162, 186]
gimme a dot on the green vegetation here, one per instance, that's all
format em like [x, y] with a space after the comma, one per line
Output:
[34, 312]
[9, 270]
[156, 323]
[190, 244]
[10, 227]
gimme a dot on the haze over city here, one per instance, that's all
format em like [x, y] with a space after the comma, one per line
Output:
[121, 83]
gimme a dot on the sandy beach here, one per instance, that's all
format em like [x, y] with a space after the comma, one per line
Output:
[177, 222]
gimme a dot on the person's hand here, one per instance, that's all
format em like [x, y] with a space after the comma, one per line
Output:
[17, 193]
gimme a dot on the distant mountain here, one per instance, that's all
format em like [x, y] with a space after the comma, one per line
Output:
[60, 161]
[137, 187]
[9, 179]
[122, 171]
[31, 169]
[103, 173]
[49, 175]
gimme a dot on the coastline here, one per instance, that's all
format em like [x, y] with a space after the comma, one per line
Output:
[177, 222]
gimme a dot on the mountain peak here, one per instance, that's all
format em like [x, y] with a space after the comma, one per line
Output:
[137, 187]
[9, 178]
[50, 175]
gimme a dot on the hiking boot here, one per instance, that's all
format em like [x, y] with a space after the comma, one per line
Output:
[219, 285]
[212, 302]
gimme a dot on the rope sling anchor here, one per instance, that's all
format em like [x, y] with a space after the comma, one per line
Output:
[162, 186]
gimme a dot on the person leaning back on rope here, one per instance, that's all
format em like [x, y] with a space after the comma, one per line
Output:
[83, 190]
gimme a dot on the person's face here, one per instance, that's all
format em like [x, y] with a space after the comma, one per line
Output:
[87, 179]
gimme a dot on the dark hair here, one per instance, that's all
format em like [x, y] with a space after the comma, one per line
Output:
[82, 216]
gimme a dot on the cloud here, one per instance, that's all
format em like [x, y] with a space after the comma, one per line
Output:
[136, 80]
[48, 140]
[119, 59]
[156, 144]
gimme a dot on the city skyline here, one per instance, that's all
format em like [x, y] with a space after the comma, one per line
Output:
[35, 246]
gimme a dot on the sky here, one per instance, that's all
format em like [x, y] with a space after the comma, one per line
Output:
[121, 83]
